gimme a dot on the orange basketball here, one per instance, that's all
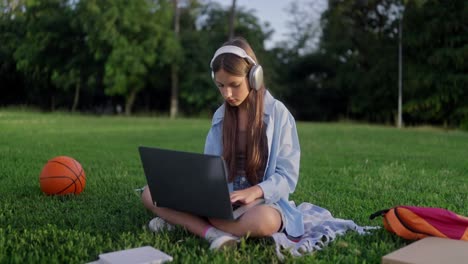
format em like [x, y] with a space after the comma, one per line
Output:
[62, 175]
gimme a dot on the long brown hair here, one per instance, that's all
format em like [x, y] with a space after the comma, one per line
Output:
[255, 156]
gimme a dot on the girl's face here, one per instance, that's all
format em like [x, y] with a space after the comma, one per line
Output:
[234, 89]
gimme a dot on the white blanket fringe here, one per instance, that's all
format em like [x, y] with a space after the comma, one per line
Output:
[320, 228]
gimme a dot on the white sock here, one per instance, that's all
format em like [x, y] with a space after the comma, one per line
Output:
[211, 233]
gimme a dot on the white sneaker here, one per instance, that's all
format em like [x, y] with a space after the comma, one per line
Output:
[158, 224]
[224, 242]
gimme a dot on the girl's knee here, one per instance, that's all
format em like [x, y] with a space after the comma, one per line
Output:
[266, 222]
[269, 228]
[261, 222]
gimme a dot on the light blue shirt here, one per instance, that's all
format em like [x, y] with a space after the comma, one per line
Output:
[282, 169]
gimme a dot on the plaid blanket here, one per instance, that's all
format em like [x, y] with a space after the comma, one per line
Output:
[320, 228]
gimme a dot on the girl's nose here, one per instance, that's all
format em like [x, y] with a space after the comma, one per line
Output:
[227, 92]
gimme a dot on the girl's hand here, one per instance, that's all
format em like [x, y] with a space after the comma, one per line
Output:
[248, 195]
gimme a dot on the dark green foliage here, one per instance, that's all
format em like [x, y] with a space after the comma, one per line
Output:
[198, 92]
[93, 56]
[357, 61]
[359, 51]
[129, 37]
[45, 48]
[437, 54]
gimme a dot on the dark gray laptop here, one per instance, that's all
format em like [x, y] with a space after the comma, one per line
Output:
[190, 182]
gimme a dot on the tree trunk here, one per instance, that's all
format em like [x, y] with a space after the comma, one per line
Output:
[232, 17]
[52, 103]
[77, 97]
[174, 91]
[174, 68]
[129, 102]
[400, 74]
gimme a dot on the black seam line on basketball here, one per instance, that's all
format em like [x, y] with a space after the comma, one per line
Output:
[76, 179]
[76, 165]
[67, 188]
[79, 178]
[65, 166]
[67, 177]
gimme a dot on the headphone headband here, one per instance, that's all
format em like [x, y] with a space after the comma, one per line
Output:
[256, 71]
[233, 50]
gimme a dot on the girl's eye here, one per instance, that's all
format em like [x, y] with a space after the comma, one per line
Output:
[236, 85]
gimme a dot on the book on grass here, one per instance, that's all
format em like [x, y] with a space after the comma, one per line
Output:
[430, 250]
[141, 255]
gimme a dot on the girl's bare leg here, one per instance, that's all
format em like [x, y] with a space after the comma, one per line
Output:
[192, 223]
[259, 222]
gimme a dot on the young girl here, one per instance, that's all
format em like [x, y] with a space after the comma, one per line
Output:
[257, 137]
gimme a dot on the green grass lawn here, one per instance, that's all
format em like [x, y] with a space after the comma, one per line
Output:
[350, 169]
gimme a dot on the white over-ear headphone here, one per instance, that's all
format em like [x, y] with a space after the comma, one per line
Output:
[255, 73]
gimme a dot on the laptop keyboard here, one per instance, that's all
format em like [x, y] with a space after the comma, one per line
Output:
[235, 206]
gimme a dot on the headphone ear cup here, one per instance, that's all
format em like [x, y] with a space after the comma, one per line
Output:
[213, 79]
[256, 77]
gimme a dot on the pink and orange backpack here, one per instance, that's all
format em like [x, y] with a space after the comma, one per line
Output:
[412, 222]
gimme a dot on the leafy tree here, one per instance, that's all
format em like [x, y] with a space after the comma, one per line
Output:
[436, 44]
[12, 30]
[200, 39]
[304, 29]
[360, 40]
[299, 68]
[47, 46]
[128, 37]
[77, 69]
